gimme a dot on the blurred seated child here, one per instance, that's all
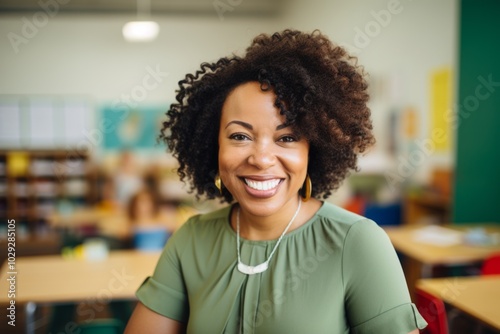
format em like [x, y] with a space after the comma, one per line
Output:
[150, 226]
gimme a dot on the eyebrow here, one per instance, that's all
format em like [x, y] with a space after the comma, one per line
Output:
[243, 124]
[250, 127]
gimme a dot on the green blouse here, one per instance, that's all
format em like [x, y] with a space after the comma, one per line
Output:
[337, 273]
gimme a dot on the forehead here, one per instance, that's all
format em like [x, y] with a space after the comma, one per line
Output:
[249, 102]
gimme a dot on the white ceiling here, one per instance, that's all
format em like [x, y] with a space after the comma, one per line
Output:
[245, 7]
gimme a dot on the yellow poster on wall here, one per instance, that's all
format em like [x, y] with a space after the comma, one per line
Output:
[441, 104]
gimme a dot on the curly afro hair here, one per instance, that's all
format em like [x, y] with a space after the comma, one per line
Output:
[318, 87]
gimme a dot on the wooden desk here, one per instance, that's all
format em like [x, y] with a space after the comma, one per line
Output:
[403, 239]
[477, 296]
[53, 279]
[422, 257]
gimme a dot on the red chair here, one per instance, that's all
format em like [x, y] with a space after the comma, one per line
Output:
[433, 311]
[491, 265]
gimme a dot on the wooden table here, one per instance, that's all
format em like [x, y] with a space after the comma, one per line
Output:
[403, 239]
[421, 257]
[477, 296]
[53, 279]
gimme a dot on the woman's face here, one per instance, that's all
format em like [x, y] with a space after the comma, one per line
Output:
[262, 163]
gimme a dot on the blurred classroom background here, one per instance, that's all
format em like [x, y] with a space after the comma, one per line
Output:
[81, 107]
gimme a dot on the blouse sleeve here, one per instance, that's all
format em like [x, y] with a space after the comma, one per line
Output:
[165, 292]
[376, 295]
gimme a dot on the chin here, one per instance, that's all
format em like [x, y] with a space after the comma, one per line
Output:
[262, 207]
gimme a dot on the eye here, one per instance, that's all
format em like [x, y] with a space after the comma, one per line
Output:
[287, 139]
[238, 137]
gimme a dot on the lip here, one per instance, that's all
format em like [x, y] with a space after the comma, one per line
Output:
[261, 193]
[261, 177]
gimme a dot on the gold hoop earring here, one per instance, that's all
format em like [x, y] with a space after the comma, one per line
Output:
[218, 183]
[306, 189]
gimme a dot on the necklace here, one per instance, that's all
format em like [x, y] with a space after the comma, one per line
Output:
[251, 270]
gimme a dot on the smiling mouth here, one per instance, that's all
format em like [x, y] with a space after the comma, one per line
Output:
[262, 185]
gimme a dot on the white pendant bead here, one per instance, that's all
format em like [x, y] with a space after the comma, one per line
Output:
[251, 270]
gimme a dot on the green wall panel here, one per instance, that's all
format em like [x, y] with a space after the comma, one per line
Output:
[477, 178]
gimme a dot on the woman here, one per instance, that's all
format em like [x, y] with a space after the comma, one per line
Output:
[274, 131]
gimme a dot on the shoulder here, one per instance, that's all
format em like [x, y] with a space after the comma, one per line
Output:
[207, 221]
[215, 216]
[343, 222]
[198, 231]
[348, 230]
[334, 213]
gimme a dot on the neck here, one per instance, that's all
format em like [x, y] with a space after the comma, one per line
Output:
[270, 227]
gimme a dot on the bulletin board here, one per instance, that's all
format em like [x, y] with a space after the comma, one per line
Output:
[132, 128]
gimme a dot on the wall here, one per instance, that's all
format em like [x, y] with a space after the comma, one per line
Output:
[398, 51]
[86, 55]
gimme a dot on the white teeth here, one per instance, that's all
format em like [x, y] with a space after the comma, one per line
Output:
[262, 185]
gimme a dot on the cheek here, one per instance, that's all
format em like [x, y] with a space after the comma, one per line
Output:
[223, 158]
[297, 160]
[224, 155]
[229, 159]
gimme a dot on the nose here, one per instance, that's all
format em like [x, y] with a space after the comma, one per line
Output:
[262, 156]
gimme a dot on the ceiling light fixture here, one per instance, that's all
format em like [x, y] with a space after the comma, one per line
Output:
[141, 30]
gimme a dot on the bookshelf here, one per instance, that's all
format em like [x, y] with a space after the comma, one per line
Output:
[430, 204]
[33, 184]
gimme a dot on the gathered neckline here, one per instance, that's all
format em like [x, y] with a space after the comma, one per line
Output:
[227, 224]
